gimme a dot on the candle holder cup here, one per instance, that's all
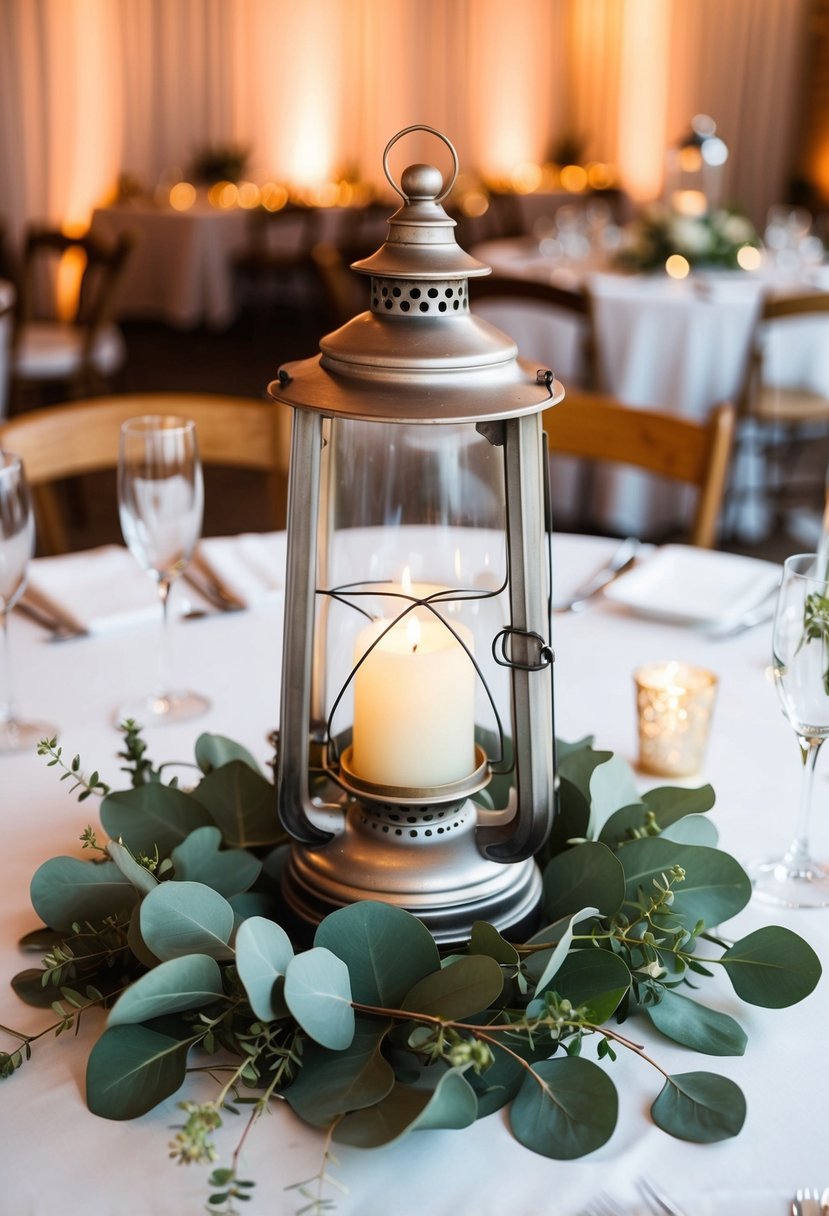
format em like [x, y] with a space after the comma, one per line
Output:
[674, 703]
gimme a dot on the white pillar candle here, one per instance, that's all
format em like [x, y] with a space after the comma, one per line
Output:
[414, 704]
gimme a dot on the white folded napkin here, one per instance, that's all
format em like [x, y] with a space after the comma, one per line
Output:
[251, 567]
[99, 590]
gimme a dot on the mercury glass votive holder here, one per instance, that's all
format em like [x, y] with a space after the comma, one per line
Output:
[674, 703]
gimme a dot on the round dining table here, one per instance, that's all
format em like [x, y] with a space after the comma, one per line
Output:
[57, 1156]
[680, 345]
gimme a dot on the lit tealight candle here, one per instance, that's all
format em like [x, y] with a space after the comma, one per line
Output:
[414, 704]
[674, 703]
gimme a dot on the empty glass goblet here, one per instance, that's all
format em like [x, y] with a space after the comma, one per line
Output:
[17, 539]
[160, 502]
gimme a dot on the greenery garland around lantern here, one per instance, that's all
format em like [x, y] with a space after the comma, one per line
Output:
[368, 1033]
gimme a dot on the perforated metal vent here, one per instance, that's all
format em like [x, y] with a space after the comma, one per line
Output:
[435, 298]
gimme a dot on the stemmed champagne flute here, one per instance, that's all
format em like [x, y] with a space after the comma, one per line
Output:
[17, 539]
[160, 501]
[800, 645]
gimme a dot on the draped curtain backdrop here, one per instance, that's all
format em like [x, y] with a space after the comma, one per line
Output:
[93, 88]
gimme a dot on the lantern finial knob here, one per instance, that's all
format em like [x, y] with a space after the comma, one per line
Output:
[421, 182]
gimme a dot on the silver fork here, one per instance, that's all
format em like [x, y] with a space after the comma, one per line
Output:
[808, 1195]
[658, 1202]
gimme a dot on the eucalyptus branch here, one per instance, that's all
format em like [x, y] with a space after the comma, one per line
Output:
[318, 1204]
[72, 771]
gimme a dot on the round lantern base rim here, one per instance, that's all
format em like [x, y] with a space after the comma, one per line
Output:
[432, 795]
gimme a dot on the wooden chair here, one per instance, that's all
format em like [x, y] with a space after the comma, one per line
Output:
[81, 437]
[600, 428]
[345, 292]
[274, 266]
[781, 422]
[79, 356]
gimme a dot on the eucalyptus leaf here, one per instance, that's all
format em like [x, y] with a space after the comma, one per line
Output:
[263, 951]
[199, 858]
[496, 1086]
[588, 875]
[186, 918]
[566, 1108]
[596, 979]
[331, 1083]
[451, 1104]
[241, 802]
[213, 751]
[150, 817]
[612, 786]
[485, 939]
[138, 875]
[133, 1068]
[559, 954]
[318, 994]
[700, 1106]
[182, 983]
[772, 967]
[65, 890]
[570, 821]
[694, 1025]
[577, 765]
[672, 802]
[715, 886]
[692, 829]
[29, 986]
[468, 986]
[566, 747]
[386, 950]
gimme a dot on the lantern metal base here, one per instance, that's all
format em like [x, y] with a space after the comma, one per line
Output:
[423, 859]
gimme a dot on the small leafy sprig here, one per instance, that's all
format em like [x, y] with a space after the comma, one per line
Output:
[816, 627]
[371, 1054]
[72, 771]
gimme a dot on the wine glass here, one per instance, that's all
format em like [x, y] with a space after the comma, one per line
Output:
[160, 500]
[800, 646]
[17, 540]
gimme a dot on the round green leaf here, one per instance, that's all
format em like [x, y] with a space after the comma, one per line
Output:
[65, 890]
[451, 1104]
[692, 829]
[138, 875]
[133, 1068]
[587, 875]
[566, 1107]
[180, 983]
[485, 939]
[241, 803]
[598, 979]
[560, 951]
[186, 918]
[715, 887]
[200, 858]
[318, 994]
[687, 1022]
[772, 967]
[212, 751]
[468, 985]
[331, 1083]
[386, 950]
[700, 1106]
[263, 951]
[151, 816]
[612, 786]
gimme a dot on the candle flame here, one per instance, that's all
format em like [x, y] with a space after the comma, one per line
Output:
[413, 632]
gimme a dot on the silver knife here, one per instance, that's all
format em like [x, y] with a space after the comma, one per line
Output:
[621, 561]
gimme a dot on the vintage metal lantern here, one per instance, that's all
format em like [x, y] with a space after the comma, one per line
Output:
[415, 762]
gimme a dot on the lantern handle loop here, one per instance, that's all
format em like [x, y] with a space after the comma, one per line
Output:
[429, 131]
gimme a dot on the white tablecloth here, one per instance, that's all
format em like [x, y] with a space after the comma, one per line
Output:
[678, 345]
[57, 1156]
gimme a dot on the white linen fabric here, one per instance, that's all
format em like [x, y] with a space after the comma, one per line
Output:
[98, 591]
[753, 763]
[250, 567]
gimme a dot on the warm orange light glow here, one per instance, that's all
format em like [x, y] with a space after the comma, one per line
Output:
[224, 195]
[574, 178]
[677, 267]
[475, 203]
[690, 159]
[689, 202]
[68, 281]
[248, 195]
[600, 177]
[273, 197]
[643, 95]
[525, 177]
[749, 258]
[182, 196]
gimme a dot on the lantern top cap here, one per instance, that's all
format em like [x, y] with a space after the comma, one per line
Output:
[421, 242]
